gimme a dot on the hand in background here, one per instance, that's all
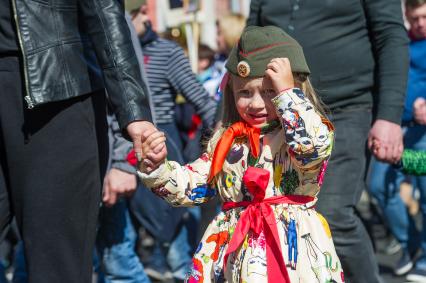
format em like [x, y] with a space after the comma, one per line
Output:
[419, 108]
[280, 74]
[385, 141]
[153, 140]
[118, 183]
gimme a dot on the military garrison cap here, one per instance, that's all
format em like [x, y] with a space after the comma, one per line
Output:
[258, 46]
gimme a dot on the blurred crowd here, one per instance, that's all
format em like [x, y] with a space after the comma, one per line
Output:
[140, 238]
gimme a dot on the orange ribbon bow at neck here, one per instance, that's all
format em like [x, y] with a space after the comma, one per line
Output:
[238, 129]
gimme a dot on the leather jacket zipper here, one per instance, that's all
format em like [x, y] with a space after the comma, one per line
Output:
[30, 103]
[28, 99]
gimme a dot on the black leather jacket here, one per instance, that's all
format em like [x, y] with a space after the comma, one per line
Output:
[74, 47]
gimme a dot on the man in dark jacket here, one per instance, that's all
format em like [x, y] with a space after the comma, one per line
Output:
[56, 59]
[354, 49]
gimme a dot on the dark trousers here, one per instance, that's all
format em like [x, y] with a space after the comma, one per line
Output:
[341, 191]
[52, 160]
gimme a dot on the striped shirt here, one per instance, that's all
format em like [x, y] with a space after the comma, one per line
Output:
[169, 73]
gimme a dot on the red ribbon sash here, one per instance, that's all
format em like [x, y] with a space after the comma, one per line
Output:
[259, 216]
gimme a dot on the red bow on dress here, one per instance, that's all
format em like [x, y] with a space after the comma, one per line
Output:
[259, 216]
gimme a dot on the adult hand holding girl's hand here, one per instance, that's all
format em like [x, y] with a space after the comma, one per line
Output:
[154, 151]
[280, 74]
[138, 132]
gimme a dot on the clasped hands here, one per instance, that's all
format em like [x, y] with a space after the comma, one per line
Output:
[150, 149]
[149, 144]
[385, 138]
[385, 141]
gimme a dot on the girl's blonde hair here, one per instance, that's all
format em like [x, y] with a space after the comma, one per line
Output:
[230, 114]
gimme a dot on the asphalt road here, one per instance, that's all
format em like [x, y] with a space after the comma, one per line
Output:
[377, 231]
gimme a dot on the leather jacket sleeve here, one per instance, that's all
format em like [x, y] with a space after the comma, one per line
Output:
[106, 26]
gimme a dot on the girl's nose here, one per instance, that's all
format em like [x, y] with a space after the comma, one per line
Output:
[257, 101]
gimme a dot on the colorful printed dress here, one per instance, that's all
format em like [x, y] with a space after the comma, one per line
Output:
[294, 155]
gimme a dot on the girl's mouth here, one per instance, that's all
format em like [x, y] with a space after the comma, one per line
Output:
[258, 116]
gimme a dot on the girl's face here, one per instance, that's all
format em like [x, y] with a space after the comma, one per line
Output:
[253, 100]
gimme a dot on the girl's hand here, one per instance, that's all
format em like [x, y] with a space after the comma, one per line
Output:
[155, 151]
[280, 74]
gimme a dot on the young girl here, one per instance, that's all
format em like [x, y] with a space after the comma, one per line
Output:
[267, 165]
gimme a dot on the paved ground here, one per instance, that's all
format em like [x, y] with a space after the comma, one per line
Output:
[386, 262]
[381, 241]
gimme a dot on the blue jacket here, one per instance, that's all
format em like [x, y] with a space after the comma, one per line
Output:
[416, 77]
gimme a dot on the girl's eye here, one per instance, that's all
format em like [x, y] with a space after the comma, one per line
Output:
[243, 93]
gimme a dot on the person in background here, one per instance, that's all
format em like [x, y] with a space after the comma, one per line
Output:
[386, 180]
[229, 29]
[188, 121]
[358, 55]
[208, 71]
[169, 73]
[116, 239]
[56, 61]
[205, 57]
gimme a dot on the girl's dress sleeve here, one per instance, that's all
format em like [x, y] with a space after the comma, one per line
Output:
[309, 135]
[181, 185]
